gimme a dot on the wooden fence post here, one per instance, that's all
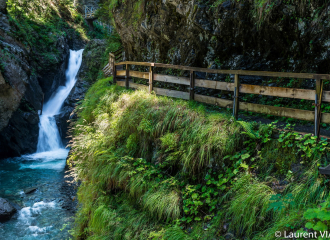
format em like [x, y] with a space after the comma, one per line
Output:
[236, 101]
[192, 85]
[127, 76]
[114, 71]
[112, 61]
[151, 78]
[318, 102]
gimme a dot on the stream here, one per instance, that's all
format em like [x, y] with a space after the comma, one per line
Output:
[42, 214]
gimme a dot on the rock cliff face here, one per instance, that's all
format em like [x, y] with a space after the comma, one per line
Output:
[20, 95]
[228, 35]
[25, 78]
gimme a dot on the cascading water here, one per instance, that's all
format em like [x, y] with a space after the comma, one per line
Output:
[49, 136]
[42, 215]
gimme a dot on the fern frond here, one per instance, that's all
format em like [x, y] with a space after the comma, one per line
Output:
[248, 127]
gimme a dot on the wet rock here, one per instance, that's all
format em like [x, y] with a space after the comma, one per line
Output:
[3, 6]
[6, 210]
[29, 190]
[21, 134]
[92, 62]
[34, 222]
[62, 122]
[53, 78]
[16, 206]
[69, 189]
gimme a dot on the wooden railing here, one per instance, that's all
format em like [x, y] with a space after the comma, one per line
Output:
[90, 12]
[113, 57]
[317, 95]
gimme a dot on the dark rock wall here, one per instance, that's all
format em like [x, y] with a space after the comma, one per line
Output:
[20, 95]
[232, 35]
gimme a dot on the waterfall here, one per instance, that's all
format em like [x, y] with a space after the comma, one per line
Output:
[49, 136]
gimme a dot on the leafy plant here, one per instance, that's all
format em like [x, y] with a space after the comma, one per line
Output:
[318, 219]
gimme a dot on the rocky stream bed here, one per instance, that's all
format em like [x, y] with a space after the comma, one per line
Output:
[43, 192]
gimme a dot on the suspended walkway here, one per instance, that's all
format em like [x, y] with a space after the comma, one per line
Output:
[90, 12]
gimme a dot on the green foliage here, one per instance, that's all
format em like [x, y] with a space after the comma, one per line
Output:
[318, 219]
[105, 12]
[202, 198]
[184, 169]
[39, 26]
[280, 202]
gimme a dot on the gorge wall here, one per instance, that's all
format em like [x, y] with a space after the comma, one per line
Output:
[253, 34]
[31, 68]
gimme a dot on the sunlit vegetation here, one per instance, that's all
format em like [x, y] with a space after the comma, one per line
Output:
[158, 168]
[41, 25]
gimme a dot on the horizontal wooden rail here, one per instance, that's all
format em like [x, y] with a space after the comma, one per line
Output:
[239, 72]
[132, 85]
[244, 88]
[264, 109]
[172, 93]
[295, 93]
[317, 95]
[136, 63]
[121, 73]
[137, 74]
[172, 79]
[251, 107]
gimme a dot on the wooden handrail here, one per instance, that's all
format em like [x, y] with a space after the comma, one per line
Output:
[239, 72]
[317, 95]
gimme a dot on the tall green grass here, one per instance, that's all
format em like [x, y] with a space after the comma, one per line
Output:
[151, 167]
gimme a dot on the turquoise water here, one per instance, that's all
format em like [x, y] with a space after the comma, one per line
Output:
[41, 216]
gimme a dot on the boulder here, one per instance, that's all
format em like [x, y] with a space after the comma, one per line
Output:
[29, 190]
[6, 210]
